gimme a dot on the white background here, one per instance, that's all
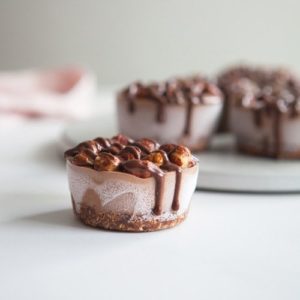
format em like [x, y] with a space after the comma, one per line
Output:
[140, 39]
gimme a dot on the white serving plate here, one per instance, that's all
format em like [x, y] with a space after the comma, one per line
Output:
[221, 168]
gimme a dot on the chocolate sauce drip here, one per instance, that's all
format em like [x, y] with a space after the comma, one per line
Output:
[168, 166]
[161, 112]
[175, 91]
[277, 126]
[147, 169]
[295, 109]
[178, 171]
[258, 117]
[188, 119]
[131, 106]
[175, 204]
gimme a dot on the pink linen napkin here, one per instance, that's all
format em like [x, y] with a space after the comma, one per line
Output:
[60, 93]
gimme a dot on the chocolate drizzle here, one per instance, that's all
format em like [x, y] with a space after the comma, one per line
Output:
[277, 134]
[145, 169]
[188, 120]
[178, 171]
[188, 92]
[143, 158]
[169, 167]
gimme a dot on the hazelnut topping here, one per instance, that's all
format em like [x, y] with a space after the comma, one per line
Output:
[91, 145]
[82, 159]
[122, 139]
[181, 156]
[167, 147]
[106, 162]
[158, 157]
[146, 145]
[112, 154]
[130, 152]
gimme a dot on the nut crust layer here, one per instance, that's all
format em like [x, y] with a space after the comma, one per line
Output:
[125, 222]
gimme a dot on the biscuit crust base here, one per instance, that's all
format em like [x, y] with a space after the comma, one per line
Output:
[125, 222]
[267, 153]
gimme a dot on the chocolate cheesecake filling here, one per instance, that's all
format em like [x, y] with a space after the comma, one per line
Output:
[143, 158]
[188, 92]
[274, 94]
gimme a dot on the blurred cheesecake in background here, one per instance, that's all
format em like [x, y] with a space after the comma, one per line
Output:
[263, 110]
[180, 110]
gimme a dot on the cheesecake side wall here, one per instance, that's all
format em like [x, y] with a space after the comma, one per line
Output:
[143, 122]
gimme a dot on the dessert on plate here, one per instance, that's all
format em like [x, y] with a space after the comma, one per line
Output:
[181, 110]
[264, 110]
[131, 185]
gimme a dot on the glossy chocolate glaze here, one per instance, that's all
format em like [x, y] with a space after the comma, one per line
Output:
[172, 167]
[169, 167]
[188, 92]
[145, 169]
[271, 93]
[133, 158]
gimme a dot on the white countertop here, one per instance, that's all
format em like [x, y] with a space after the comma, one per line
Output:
[232, 246]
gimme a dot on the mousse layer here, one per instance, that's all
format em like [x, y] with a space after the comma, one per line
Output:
[127, 199]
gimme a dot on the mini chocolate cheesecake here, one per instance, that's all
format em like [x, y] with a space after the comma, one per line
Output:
[265, 112]
[131, 185]
[184, 111]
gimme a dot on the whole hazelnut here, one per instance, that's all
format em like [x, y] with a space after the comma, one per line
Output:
[181, 156]
[146, 145]
[158, 157]
[130, 152]
[102, 142]
[106, 162]
[71, 152]
[122, 139]
[82, 159]
[91, 145]
[115, 148]
[167, 147]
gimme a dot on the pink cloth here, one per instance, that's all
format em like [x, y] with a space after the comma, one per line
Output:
[61, 93]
